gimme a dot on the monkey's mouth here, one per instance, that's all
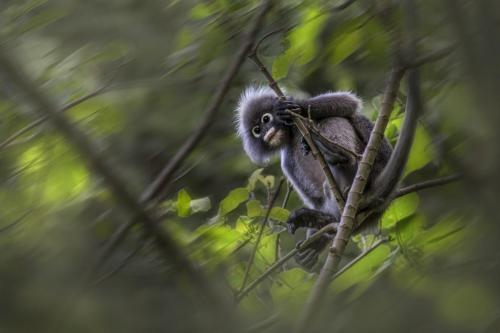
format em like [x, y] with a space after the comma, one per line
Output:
[273, 137]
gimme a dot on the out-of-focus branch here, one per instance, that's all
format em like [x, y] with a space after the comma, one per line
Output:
[157, 187]
[194, 139]
[431, 57]
[427, 184]
[300, 247]
[270, 205]
[99, 165]
[7, 142]
[348, 219]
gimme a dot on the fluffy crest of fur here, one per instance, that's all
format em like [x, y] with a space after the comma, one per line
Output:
[253, 102]
[249, 99]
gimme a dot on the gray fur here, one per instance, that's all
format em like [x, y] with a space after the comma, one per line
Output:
[337, 118]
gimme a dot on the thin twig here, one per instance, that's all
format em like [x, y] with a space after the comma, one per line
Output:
[99, 165]
[358, 258]
[7, 142]
[155, 189]
[277, 248]
[124, 263]
[300, 247]
[347, 221]
[270, 205]
[431, 57]
[16, 221]
[427, 184]
[303, 129]
[206, 123]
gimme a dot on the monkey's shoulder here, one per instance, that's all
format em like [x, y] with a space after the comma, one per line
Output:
[341, 131]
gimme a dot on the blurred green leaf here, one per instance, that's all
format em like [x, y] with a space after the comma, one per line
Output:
[400, 209]
[279, 214]
[233, 200]
[200, 205]
[254, 208]
[183, 203]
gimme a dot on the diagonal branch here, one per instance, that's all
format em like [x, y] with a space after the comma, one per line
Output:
[300, 247]
[194, 139]
[99, 165]
[157, 187]
[347, 221]
[427, 184]
[270, 205]
[7, 142]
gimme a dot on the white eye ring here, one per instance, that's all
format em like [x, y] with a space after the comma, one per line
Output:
[256, 131]
[266, 118]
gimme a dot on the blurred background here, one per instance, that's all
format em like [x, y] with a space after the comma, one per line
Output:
[139, 79]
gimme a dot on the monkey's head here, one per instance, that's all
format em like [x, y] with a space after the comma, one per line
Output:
[257, 124]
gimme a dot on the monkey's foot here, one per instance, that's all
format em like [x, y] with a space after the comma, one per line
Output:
[308, 218]
[308, 257]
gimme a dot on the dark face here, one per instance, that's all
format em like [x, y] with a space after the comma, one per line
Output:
[266, 129]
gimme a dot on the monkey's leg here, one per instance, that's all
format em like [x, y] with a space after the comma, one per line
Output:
[308, 257]
[314, 220]
[308, 218]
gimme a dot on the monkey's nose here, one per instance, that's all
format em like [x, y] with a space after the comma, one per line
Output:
[270, 134]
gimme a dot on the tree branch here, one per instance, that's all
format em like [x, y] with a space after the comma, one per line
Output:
[347, 221]
[431, 57]
[155, 189]
[98, 164]
[427, 184]
[270, 205]
[194, 139]
[303, 129]
[7, 142]
[301, 246]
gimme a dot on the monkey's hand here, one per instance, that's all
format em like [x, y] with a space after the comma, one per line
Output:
[282, 111]
[304, 147]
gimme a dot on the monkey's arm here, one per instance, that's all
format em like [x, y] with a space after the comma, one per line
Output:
[336, 104]
[314, 220]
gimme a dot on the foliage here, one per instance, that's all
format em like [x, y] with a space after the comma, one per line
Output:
[431, 263]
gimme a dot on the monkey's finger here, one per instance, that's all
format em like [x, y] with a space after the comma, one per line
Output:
[307, 259]
[292, 228]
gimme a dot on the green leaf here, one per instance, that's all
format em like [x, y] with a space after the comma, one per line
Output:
[183, 203]
[279, 214]
[290, 290]
[233, 200]
[254, 177]
[399, 209]
[364, 270]
[254, 208]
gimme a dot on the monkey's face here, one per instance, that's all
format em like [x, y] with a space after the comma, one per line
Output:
[258, 125]
[268, 131]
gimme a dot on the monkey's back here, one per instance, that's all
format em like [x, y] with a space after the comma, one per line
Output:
[305, 173]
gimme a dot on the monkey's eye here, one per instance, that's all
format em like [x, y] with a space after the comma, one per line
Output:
[267, 117]
[256, 131]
